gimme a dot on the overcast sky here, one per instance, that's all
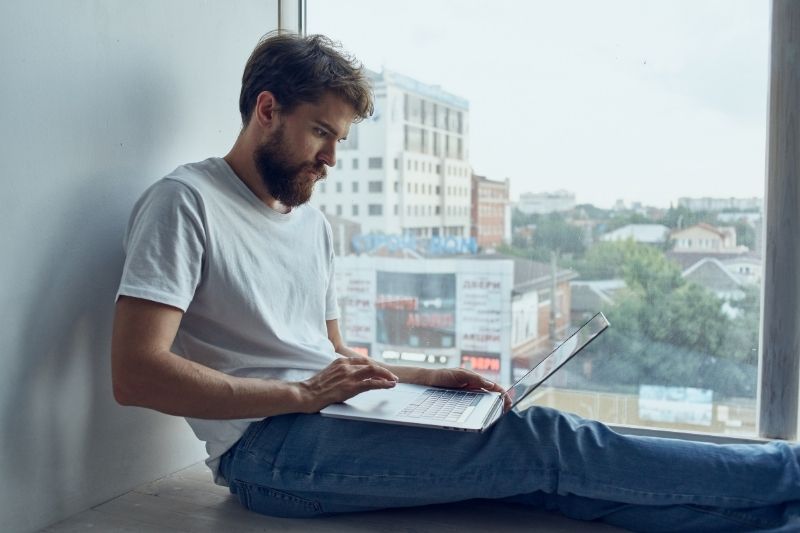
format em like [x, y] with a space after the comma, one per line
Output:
[636, 100]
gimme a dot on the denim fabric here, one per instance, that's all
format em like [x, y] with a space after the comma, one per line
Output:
[309, 465]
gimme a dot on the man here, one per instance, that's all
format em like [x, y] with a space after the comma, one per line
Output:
[227, 315]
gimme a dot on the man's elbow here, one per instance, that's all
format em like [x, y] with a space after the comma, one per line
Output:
[123, 393]
[123, 383]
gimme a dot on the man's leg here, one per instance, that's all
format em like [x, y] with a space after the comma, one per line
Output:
[303, 465]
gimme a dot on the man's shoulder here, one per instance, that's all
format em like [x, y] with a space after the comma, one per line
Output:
[198, 176]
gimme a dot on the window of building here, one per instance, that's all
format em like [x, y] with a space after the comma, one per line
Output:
[375, 186]
[355, 210]
[355, 186]
[355, 164]
[655, 352]
[338, 210]
[375, 210]
[338, 186]
[375, 162]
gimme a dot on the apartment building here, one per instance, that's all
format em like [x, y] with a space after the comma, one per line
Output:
[542, 203]
[490, 211]
[405, 170]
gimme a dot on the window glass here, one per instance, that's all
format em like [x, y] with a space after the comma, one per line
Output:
[588, 156]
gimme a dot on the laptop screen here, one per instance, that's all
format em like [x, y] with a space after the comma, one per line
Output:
[563, 353]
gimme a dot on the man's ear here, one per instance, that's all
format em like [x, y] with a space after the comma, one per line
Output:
[265, 112]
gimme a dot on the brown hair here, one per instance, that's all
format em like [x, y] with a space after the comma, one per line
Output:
[299, 69]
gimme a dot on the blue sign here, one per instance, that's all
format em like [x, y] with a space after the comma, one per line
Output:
[432, 246]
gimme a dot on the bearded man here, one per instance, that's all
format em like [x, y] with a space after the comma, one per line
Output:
[227, 315]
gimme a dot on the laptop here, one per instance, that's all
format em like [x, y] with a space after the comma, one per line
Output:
[457, 409]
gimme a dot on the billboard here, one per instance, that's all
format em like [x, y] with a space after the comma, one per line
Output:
[414, 310]
[429, 312]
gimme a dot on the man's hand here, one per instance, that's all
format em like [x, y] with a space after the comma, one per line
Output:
[461, 378]
[343, 379]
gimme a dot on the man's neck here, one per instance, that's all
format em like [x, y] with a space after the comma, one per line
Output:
[240, 159]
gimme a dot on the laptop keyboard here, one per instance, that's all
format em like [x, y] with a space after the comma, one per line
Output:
[440, 404]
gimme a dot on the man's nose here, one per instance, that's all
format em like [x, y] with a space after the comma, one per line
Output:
[328, 154]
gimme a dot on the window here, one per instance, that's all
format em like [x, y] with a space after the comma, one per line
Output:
[355, 210]
[375, 210]
[338, 210]
[376, 186]
[355, 164]
[322, 188]
[338, 186]
[375, 162]
[355, 186]
[322, 207]
[676, 332]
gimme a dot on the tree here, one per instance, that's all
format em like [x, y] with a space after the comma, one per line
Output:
[745, 234]
[666, 331]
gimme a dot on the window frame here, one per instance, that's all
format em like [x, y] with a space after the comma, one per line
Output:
[778, 397]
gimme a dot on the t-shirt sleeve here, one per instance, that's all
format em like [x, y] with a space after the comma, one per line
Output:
[164, 245]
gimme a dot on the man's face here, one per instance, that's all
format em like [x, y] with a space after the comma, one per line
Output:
[300, 147]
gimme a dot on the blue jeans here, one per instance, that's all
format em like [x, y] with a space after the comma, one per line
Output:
[309, 465]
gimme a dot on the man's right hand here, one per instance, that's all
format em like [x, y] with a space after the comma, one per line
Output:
[343, 379]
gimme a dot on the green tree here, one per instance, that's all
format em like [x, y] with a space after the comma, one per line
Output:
[666, 331]
[745, 234]
[553, 232]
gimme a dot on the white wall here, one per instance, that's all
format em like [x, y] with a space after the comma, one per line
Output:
[97, 100]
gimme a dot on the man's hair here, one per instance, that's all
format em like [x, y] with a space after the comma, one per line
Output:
[299, 69]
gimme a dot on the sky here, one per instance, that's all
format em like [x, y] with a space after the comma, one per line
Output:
[639, 100]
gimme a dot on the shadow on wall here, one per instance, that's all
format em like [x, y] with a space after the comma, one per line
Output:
[65, 440]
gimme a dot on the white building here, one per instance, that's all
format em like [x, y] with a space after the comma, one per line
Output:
[541, 203]
[721, 204]
[641, 233]
[705, 238]
[405, 170]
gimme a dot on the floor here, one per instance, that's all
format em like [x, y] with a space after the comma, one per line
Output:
[188, 501]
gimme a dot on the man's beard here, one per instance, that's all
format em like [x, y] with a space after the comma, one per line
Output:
[287, 182]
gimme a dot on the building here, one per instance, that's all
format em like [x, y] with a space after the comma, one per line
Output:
[542, 203]
[721, 204]
[493, 313]
[712, 274]
[538, 320]
[344, 231]
[490, 217]
[589, 297]
[641, 233]
[704, 238]
[405, 170]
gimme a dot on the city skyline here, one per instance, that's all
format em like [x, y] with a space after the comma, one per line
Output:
[634, 101]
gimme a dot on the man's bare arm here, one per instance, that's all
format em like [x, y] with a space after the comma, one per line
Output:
[146, 373]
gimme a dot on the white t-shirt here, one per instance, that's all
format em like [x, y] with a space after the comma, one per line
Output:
[256, 286]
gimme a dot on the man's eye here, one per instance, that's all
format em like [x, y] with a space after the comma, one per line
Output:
[320, 132]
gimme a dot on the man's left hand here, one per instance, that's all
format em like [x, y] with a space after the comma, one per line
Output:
[461, 378]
